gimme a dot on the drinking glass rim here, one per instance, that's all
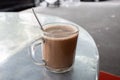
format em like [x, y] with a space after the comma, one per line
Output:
[63, 23]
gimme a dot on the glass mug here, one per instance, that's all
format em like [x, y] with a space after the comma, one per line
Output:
[58, 43]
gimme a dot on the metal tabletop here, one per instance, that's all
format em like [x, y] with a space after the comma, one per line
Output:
[18, 30]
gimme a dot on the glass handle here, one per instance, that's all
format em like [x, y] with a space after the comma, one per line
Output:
[32, 53]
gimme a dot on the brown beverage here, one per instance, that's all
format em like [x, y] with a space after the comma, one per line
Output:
[60, 45]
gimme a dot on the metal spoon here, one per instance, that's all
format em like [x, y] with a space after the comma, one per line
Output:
[37, 19]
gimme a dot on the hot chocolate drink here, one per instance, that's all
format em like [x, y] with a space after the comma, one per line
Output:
[59, 46]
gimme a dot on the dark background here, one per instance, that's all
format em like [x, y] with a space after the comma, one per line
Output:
[19, 5]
